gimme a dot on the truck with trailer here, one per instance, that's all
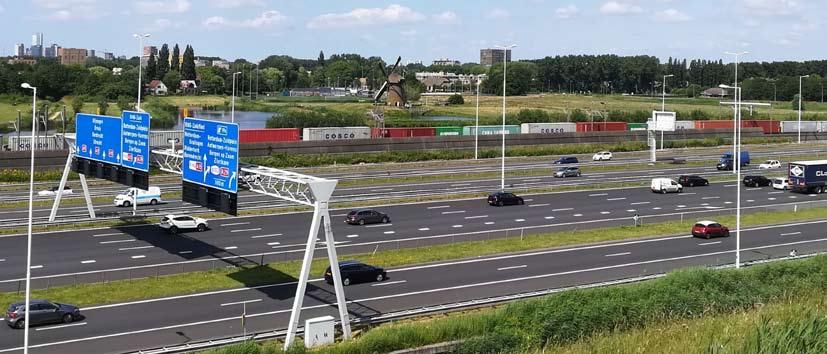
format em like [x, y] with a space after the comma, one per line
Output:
[808, 176]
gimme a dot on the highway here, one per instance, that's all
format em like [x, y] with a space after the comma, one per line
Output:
[191, 318]
[135, 251]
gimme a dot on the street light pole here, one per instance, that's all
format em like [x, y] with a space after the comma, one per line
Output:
[663, 105]
[29, 232]
[800, 98]
[232, 109]
[477, 124]
[505, 65]
[736, 166]
[140, 38]
[734, 130]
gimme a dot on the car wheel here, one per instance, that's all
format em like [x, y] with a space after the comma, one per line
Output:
[153, 202]
[67, 318]
[578, 174]
[20, 324]
[726, 234]
[385, 220]
[201, 228]
[707, 235]
[706, 183]
[500, 203]
[361, 221]
[380, 277]
[691, 184]
[173, 230]
[127, 204]
[663, 191]
[521, 202]
[346, 281]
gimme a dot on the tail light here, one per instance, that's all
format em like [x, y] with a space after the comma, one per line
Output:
[12, 315]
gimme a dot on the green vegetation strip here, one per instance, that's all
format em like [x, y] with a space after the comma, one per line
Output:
[570, 316]
[278, 272]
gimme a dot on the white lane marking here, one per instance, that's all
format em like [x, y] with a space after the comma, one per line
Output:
[477, 217]
[424, 229]
[730, 185]
[538, 205]
[231, 247]
[548, 217]
[453, 212]
[379, 225]
[692, 193]
[705, 198]
[460, 184]
[263, 236]
[791, 233]
[337, 215]
[246, 230]
[390, 283]
[562, 209]
[513, 267]
[519, 220]
[61, 326]
[770, 198]
[793, 197]
[778, 192]
[383, 190]
[578, 215]
[352, 236]
[704, 204]
[184, 252]
[613, 199]
[528, 200]
[389, 232]
[134, 248]
[727, 202]
[598, 194]
[276, 243]
[639, 203]
[618, 254]
[750, 200]
[631, 210]
[709, 243]
[489, 223]
[811, 195]
[117, 241]
[753, 189]
[656, 208]
[240, 302]
[88, 261]
[681, 206]
[439, 207]
[109, 234]
[138, 256]
[605, 212]
[236, 223]
[456, 226]
[2, 259]
[37, 266]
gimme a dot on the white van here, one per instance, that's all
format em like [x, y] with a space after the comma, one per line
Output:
[128, 197]
[665, 185]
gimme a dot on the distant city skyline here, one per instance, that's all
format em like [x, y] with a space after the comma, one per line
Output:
[427, 30]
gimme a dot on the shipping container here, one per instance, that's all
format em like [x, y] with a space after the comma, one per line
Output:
[768, 126]
[491, 129]
[160, 138]
[402, 132]
[808, 176]
[713, 124]
[268, 135]
[600, 126]
[448, 131]
[684, 124]
[791, 126]
[547, 128]
[46, 142]
[637, 126]
[336, 133]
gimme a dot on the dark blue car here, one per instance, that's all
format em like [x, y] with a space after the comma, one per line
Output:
[565, 160]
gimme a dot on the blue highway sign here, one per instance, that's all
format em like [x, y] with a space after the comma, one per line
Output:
[135, 146]
[98, 138]
[211, 154]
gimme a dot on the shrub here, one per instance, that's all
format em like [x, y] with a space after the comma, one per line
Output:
[316, 117]
[456, 99]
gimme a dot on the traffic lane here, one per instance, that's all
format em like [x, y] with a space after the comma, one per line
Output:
[422, 286]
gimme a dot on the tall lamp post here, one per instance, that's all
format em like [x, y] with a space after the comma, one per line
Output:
[800, 98]
[737, 106]
[477, 124]
[505, 49]
[232, 109]
[140, 38]
[663, 104]
[29, 233]
[736, 166]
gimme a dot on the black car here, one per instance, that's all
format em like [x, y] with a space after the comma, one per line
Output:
[42, 312]
[565, 160]
[356, 272]
[692, 181]
[504, 198]
[366, 216]
[567, 172]
[757, 181]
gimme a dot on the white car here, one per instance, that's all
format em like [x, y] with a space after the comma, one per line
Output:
[175, 223]
[53, 191]
[602, 156]
[770, 164]
[782, 183]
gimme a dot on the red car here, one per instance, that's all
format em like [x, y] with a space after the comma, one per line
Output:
[708, 229]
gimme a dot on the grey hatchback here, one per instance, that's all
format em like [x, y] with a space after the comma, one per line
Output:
[42, 312]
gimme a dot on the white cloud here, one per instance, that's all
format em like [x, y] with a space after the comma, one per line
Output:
[498, 14]
[231, 4]
[64, 10]
[62, 4]
[567, 11]
[162, 7]
[620, 8]
[771, 7]
[393, 14]
[671, 15]
[445, 18]
[265, 19]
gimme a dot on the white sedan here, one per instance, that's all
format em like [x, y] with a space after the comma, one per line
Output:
[770, 164]
[781, 183]
[602, 156]
[175, 223]
[53, 191]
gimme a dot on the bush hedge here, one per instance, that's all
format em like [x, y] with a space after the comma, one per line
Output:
[299, 117]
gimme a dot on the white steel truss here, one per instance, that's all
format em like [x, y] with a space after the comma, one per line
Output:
[169, 160]
[69, 139]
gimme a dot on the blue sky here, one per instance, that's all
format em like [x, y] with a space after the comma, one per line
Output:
[426, 30]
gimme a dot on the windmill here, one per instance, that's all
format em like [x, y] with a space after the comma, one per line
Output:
[393, 86]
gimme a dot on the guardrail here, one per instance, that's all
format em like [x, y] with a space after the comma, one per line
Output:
[436, 309]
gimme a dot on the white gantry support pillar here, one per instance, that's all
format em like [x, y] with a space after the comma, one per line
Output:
[68, 168]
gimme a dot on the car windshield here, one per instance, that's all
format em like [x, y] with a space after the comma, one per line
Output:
[769, 162]
[561, 169]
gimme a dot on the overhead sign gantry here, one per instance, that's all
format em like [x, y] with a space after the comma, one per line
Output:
[210, 164]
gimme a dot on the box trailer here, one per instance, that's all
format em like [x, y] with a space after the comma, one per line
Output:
[808, 176]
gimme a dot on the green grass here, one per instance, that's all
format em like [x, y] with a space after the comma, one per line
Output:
[388, 255]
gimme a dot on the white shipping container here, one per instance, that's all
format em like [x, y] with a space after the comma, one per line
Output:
[23, 143]
[336, 133]
[160, 138]
[684, 124]
[791, 126]
[547, 128]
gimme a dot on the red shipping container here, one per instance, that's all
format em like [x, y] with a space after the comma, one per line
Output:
[769, 126]
[402, 132]
[601, 126]
[268, 135]
[713, 124]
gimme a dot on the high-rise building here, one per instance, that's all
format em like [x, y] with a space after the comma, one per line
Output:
[69, 56]
[19, 50]
[37, 39]
[490, 56]
[90, 53]
[108, 56]
[51, 51]
[36, 51]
